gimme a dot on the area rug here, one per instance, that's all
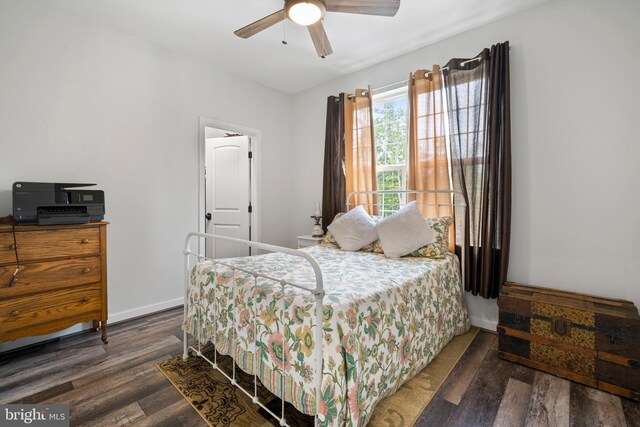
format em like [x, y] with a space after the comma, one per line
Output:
[221, 404]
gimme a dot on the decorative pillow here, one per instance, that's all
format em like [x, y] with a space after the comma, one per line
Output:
[439, 248]
[330, 242]
[404, 231]
[377, 247]
[370, 247]
[354, 230]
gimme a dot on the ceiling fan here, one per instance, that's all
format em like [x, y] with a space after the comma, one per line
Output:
[310, 13]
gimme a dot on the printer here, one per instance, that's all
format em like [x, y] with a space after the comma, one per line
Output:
[50, 203]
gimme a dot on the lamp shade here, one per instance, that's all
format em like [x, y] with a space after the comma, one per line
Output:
[305, 12]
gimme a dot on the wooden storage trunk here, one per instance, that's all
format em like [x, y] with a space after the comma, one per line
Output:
[590, 340]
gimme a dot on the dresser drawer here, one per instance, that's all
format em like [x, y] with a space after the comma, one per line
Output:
[45, 244]
[29, 310]
[49, 275]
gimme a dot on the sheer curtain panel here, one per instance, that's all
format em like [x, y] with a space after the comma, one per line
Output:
[428, 167]
[360, 155]
[480, 129]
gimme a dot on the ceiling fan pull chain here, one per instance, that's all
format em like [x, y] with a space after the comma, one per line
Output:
[284, 32]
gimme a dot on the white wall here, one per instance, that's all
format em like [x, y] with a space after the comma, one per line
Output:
[82, 103]
[575, 109]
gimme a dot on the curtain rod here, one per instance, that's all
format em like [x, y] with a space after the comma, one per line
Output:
[405, 81]
[382, 88]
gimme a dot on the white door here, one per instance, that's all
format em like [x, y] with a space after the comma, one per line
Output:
[228, 194]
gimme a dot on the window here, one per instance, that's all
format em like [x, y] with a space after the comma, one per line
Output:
[390, 132]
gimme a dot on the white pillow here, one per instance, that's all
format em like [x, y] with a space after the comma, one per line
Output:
[354, 230]
[404, 232]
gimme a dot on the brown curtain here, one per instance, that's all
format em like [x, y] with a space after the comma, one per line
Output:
[428, 160]
[480, 130]
[360, 155]
[333, 188]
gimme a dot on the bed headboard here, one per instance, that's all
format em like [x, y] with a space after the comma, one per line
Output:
[352, 198]
[436, 201]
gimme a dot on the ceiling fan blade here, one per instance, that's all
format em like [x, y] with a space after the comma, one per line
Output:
[364, 7]
[260, 24]
[320, 39]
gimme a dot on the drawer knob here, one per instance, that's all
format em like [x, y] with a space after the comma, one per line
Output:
[85, 241]
[86, 270]
[12, 246]
[14, 313]
[85, 299]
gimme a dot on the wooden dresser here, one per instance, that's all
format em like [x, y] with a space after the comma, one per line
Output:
[587, 339]
[62, 278]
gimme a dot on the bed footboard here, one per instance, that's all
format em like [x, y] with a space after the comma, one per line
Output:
[317, 291]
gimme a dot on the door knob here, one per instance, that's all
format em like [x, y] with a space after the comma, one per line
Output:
[208, 216]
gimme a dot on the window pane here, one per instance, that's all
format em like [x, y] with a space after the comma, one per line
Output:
[390, 134]
[390, 180]
[422, 107]
[422, 130]
[390, 128]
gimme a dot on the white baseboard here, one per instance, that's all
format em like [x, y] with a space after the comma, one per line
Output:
[23, 342]
[490, 325]
[143, 311]
[113, 318]
[483, 313]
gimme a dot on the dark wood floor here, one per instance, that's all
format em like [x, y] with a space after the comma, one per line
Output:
[118, 384]
[484, 390]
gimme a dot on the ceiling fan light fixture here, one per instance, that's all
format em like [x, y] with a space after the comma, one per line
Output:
[305, 12]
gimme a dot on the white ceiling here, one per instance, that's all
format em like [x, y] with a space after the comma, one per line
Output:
[204, 29]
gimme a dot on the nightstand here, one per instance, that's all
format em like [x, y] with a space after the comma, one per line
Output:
[308, 240]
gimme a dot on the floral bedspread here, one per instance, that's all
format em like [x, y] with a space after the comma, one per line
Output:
[384, 321]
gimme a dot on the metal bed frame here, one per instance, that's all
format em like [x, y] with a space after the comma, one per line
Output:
[317, 292]
[461, 204]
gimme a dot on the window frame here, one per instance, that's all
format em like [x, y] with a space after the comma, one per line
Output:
[386, 96]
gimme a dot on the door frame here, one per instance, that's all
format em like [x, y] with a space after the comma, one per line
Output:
[256, 203]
